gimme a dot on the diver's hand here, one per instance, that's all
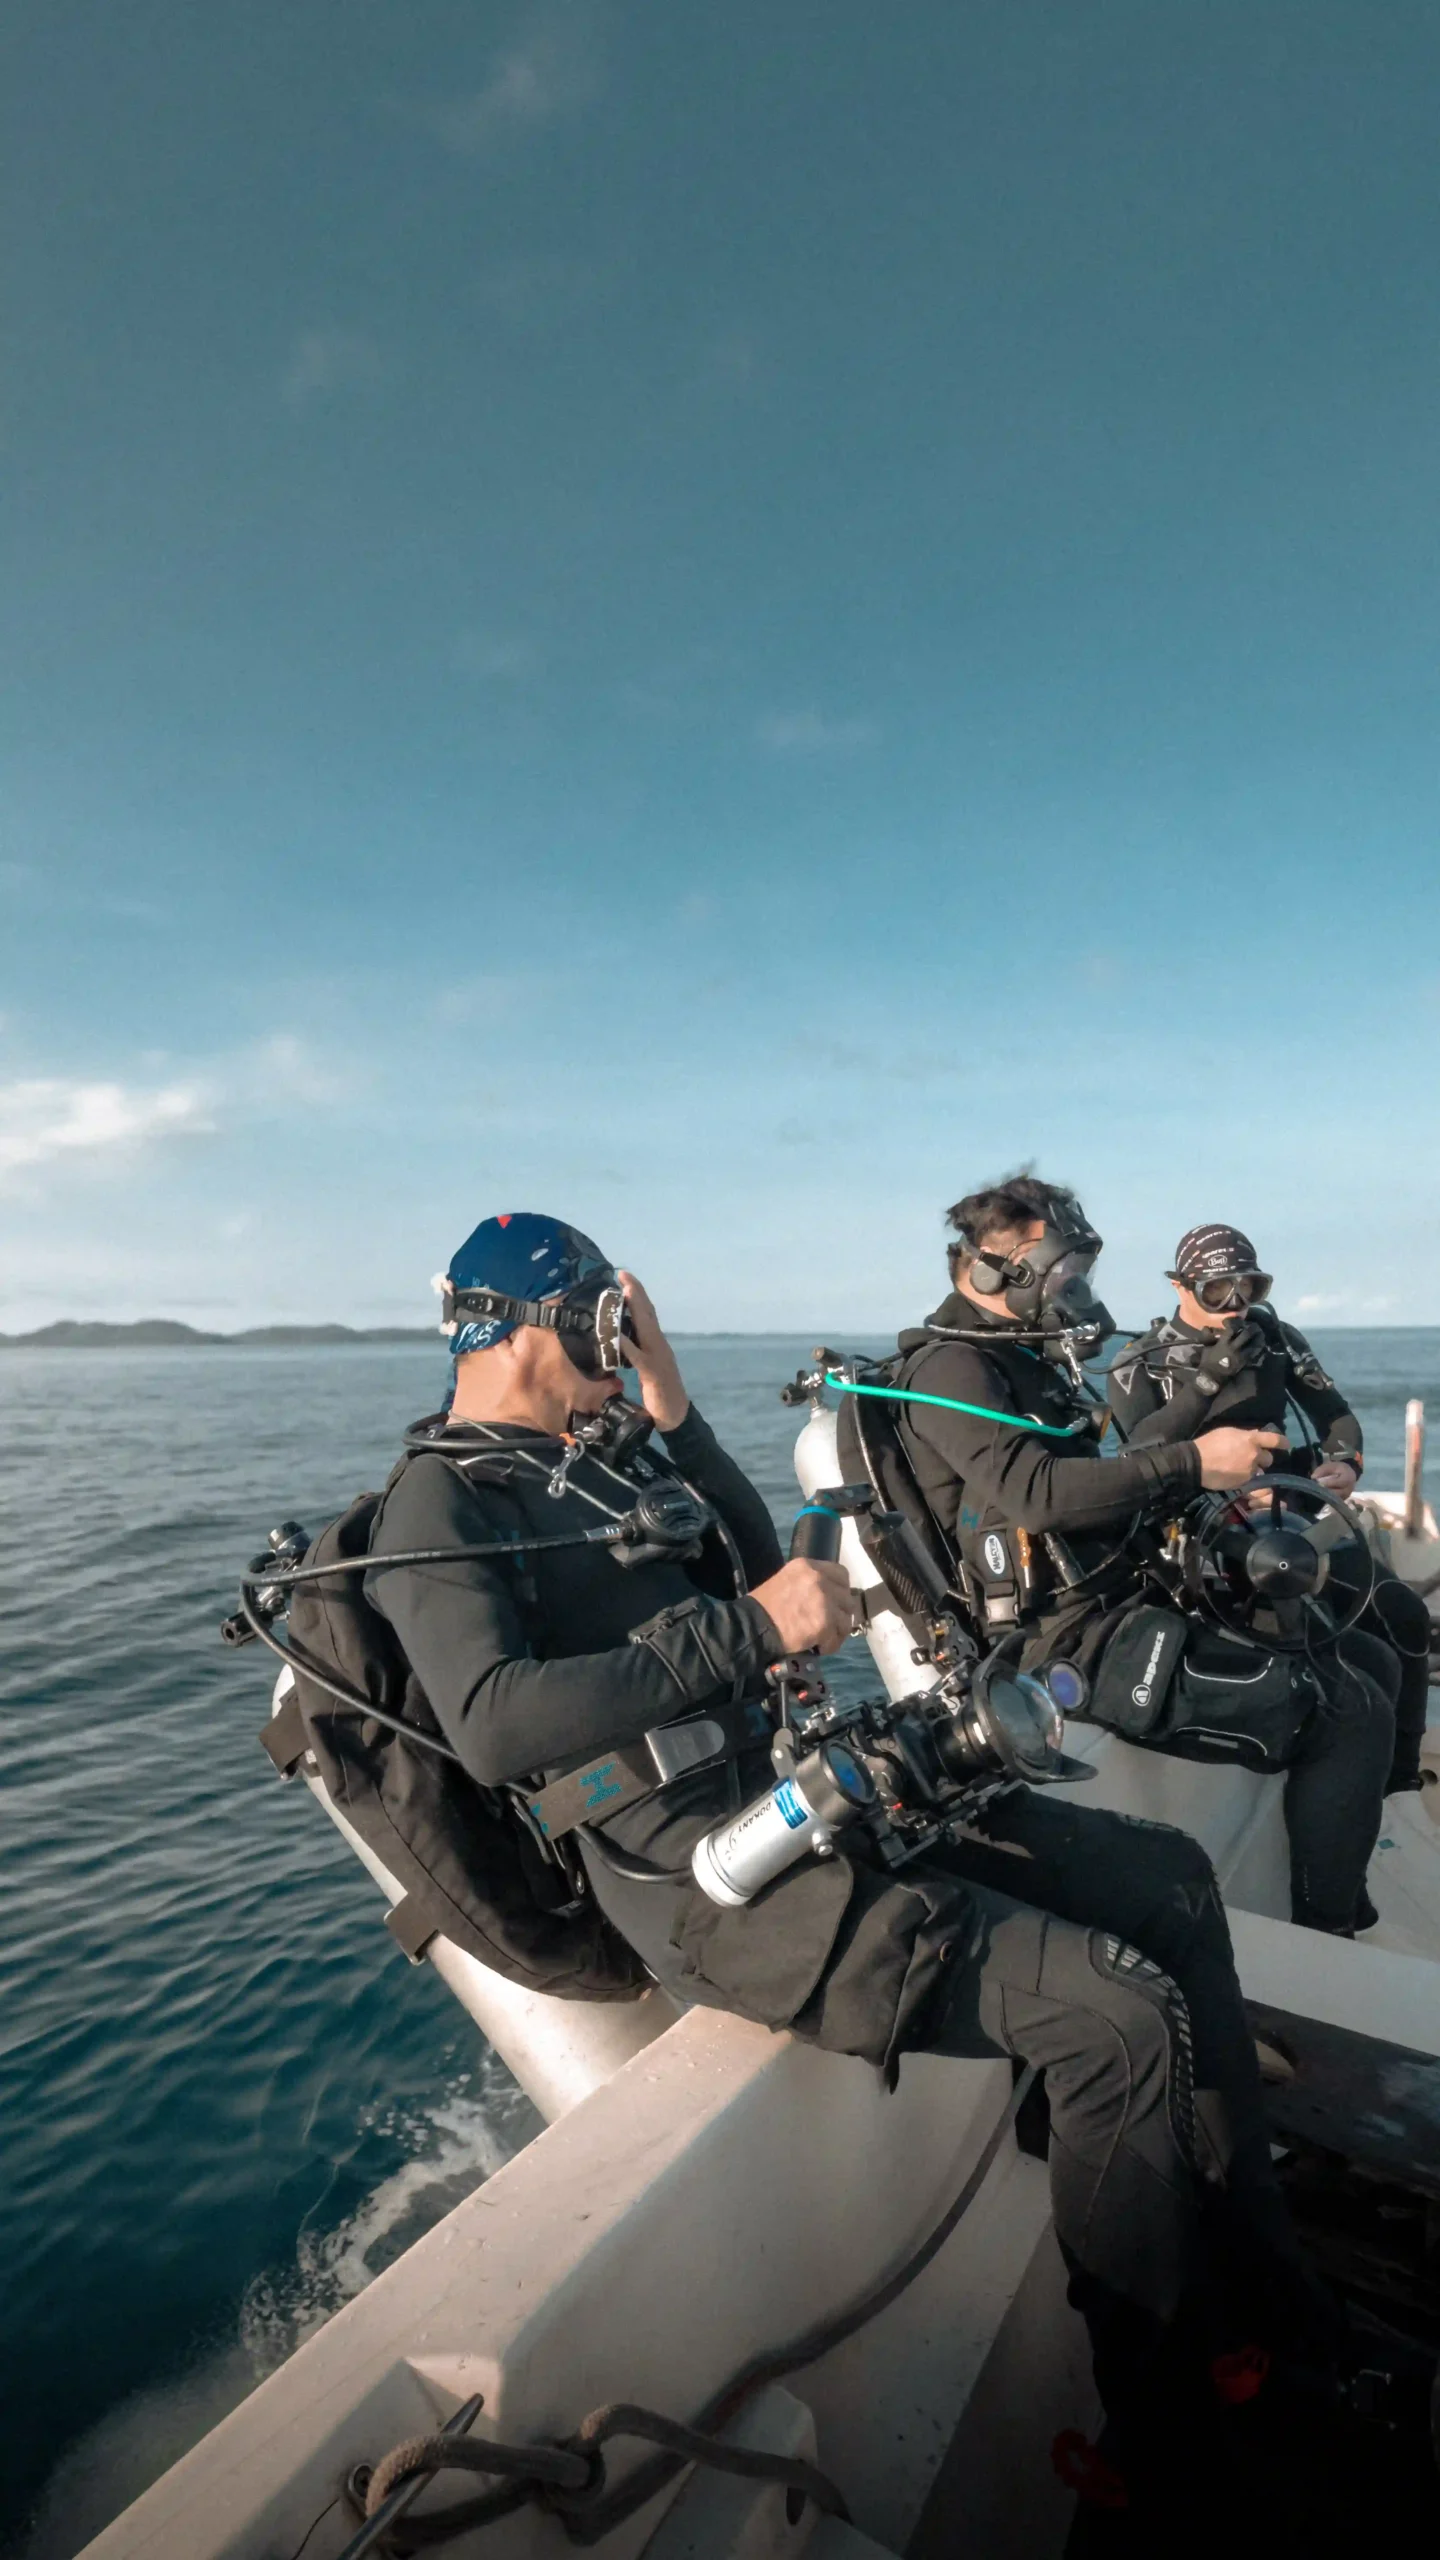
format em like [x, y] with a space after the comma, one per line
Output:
[662, 1389]
[1227, 1355]
[1229, 1457]
[808, 1604]
[1336, 1477]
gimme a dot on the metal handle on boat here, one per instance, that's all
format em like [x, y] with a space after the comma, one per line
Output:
[1414, 1516]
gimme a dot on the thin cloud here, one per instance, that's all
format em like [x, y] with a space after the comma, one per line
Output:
[50, 1120]
[1342, 1302]
[283, 1070]
[324, 362]
[551, 72]
[491, 997]
[807, 733]
[494, 657]
[45, 1118]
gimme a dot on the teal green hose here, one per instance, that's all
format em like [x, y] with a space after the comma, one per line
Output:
[952, 1404]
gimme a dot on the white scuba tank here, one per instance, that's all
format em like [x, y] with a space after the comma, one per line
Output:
[817, 1464]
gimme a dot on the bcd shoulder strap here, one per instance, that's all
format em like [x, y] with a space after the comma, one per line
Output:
[871, 1450]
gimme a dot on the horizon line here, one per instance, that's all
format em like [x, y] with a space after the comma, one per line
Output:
[186, 1336]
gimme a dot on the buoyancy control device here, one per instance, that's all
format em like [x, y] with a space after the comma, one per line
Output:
[472, 1869]
[996, 1573]
[478, 1866]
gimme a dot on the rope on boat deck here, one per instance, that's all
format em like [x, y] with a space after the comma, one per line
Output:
[568, 2480]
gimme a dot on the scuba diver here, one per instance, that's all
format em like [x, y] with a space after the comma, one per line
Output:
[1045, 1537]
[613, 1678]
[1226, 1356]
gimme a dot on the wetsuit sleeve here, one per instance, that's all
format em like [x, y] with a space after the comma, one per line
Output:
[1321, 1402]
[1025, 1476]
[697, 1453]
[461, 1630]
[1149, 1419]
[1145, 1418]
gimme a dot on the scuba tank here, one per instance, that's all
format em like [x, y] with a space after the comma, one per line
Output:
[817, 1463]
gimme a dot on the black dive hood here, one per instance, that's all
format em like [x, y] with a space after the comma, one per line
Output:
[1046, 1288]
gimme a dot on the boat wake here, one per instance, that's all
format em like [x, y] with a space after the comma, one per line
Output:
[449, 2149]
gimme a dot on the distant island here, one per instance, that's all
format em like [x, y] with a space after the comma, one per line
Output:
[157, 1333]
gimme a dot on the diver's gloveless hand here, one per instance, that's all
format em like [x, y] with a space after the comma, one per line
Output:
[1229, 1457]
[662, 1389]
[808, 1604]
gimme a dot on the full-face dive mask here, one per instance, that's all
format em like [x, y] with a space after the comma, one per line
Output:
[1046, 1287]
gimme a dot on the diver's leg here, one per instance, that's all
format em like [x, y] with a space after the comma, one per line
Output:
[1146, 1883]
[1111, 2033]
[1399, 1616]
[1335, 1783]
[1155, 1889]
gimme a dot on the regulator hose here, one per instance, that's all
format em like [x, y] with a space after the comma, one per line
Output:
[952, 1404]
[264, 1576]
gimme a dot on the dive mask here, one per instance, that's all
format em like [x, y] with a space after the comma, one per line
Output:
[591, 1320]
[1047, 1287]
[598, 1346]
[1225, 1293]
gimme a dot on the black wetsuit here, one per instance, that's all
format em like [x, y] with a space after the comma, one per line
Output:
[1045, 1530]
[1156, 1396]
[1092, 1945]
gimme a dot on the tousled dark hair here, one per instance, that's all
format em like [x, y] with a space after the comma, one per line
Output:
[1011, 1202]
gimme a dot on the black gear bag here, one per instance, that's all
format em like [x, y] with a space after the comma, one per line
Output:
[1196, 1691]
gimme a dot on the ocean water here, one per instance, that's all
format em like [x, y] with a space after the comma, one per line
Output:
[226, 2101]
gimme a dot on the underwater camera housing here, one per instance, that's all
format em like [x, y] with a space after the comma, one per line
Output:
[906, 1769]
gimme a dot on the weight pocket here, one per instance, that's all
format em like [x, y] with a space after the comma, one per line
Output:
[764, 1960]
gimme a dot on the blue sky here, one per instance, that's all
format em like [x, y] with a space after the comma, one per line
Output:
[723, 620]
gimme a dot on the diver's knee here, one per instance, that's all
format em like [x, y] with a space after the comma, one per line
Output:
[1372, 1700]
[1163, 1855]
[1138, 2057]
[1187, 1869]
[1138, 1975]
[1357, 1719]
[1193, 1862]
[1355, 1670]
[1403, 1614]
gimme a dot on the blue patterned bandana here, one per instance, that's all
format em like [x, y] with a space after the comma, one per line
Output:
[523, 1256]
